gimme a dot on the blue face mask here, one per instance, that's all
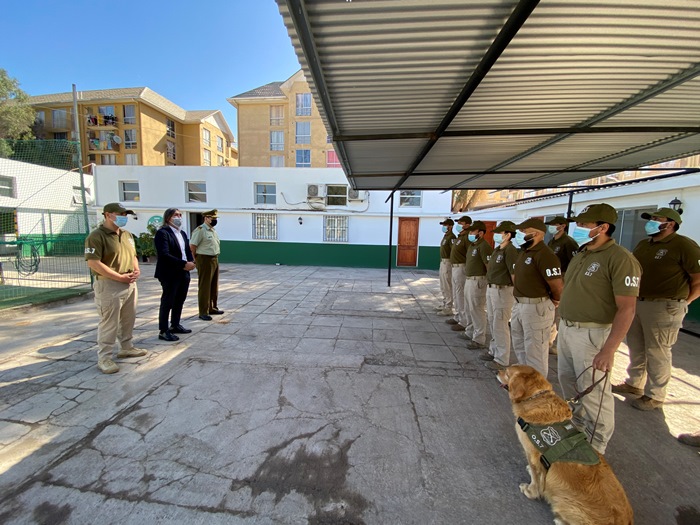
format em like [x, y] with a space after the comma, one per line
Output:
[519, 239]
[121, 220]
[471, 237]
[553, 230]
[498, 238]
[652, 227]
[458, 228]
[444, 229]
[582, 235]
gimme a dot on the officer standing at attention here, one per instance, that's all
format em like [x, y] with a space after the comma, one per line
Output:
[671, 281]
[597, 308]
[446, 268]
[537, 289]
[205, 246]
[110, 253]
[458, 257]
[478, 255]
[499, 296]
[565, 248]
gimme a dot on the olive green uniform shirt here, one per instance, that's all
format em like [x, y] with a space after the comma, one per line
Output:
[478, 257]
[533, 268]
[458, 254]
[206, 240]
[594, 278]
[116, 250]
[667, 265]
[502, 265]
[565, 248]
[446, 245]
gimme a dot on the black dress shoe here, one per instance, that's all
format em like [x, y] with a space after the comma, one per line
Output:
[215, 311]
[179, 329]
[205, 317]
[168, 336]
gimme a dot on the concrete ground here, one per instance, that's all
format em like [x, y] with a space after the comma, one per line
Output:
[321, 396]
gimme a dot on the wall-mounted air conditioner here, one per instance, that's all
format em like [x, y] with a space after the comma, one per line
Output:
[357, 195]
[315, 191]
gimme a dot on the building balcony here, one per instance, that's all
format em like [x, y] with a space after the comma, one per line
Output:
[102, 121]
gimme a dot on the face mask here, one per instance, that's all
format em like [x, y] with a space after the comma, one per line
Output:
[582, 235]
[652, 227]
[471, 237]
[121, 220]
[519, 239]
[498, 238]
[553, 230]
[177, 221]
[444, 229]
[458, 228]
[214, 222]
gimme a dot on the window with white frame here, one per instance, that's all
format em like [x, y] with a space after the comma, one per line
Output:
[277, 161]
[7, 187]
[265, 193]
[40, 118]
[170, 150]
[131, 159]
[129, 191]
[220, 144]
[335, 228]
[78, 195]
[130, 139]
[106, 111]
[276, 115]
[108, 160]
[206, 137]
[332, 160]
[59, 118]
[336, 195]
[276, 140]
[411, 199]
[265, 226]
[219, 160]
[207, 157]
[303, 104]
[196, 192]
[303, 158]
[303, 132]
[170, 124]
[129, 114]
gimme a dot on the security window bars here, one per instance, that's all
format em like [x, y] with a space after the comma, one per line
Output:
[335, 228]
[303, 104]
[332, 159]
[265, 226]
[7, 187]
[130, 139]
[265, 193]
[207, 157]
[206, 137]
[220, 144]
[129, 190]
[170, 150]
[59, 118]
[108, 160]
[170, 124]
[276, 161]
[410, 198]
[303, 158]
[303, 132]
[276, 115]
[196, 192]
[336, 195]
[132, 159]
[129, 114]
[276, 140]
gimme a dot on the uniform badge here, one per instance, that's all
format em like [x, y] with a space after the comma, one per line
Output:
[499, 258]
[528, 260]
[556, 250]
[474, 252]
[660, 253]
[594, 267]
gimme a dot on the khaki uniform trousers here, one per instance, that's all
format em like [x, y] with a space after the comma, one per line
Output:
[475, 299]
[446, 283]
[499, 308]
[116, 304]
[530, 325]
[208, 280]
[653, 333]
[577, 348]
[458, 278]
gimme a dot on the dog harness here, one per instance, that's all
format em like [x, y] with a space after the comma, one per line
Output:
[560, 442]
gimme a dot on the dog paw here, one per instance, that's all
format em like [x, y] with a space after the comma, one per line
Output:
[526, 489]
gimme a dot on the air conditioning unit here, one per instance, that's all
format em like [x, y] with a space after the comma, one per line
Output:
[315, 191]
[357, 195]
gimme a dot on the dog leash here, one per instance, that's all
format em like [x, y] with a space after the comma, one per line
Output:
[577, 398]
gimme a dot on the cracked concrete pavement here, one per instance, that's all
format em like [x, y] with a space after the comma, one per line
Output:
[321, 396]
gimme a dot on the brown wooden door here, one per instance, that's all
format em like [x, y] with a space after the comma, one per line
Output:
[407, 253]
[490, 225]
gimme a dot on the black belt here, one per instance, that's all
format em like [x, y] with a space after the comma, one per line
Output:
[659, 299]
[500, 285]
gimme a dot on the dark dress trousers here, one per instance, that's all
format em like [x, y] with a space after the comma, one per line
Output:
[170, 271]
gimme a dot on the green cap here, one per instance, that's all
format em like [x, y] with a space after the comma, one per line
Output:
[465, 218]
[597, 213]
[210, 213]
[115, 207]
[557, 220]
[669, 213]
[538, 224]
[477, 225]
[447, 222]
[505, 226]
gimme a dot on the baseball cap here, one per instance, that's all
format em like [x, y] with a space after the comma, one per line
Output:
[447, 222]
[115, 207]
[465, 218]
[557, 220]
[477, 225]
[505, 226]
[669, 213]
[538, 224]
[597, 213]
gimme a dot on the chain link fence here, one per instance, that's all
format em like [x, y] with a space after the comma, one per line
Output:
[43, 222]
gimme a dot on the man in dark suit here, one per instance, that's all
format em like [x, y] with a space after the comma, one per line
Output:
[173, 271]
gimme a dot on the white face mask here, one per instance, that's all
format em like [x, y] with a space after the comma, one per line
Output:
[582, 235]
[553, 229]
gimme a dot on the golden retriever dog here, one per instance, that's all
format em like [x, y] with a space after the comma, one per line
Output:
[579, 494]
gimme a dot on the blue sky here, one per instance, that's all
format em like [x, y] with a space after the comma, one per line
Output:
[194, 53]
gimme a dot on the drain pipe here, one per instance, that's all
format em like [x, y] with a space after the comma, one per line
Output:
[391, 235]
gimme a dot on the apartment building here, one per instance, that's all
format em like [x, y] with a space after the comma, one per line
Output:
[279, 126]
[136, 126]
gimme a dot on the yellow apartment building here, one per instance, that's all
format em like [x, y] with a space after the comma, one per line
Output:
[279, 126]
[136, 126]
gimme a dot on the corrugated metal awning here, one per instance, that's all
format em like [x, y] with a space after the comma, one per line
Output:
[494, 94]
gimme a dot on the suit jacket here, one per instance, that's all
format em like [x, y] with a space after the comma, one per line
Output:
[170, 264]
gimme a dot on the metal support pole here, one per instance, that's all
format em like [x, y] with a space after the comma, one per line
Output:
[76, 131]
[391, 236]
[571, 202]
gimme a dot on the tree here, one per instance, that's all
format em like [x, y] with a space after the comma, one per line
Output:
[16, 115]
[464, 200]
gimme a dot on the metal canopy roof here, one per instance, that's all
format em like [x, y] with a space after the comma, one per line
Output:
[449, 94]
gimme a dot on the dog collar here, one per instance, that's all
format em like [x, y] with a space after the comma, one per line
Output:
[538, 394]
